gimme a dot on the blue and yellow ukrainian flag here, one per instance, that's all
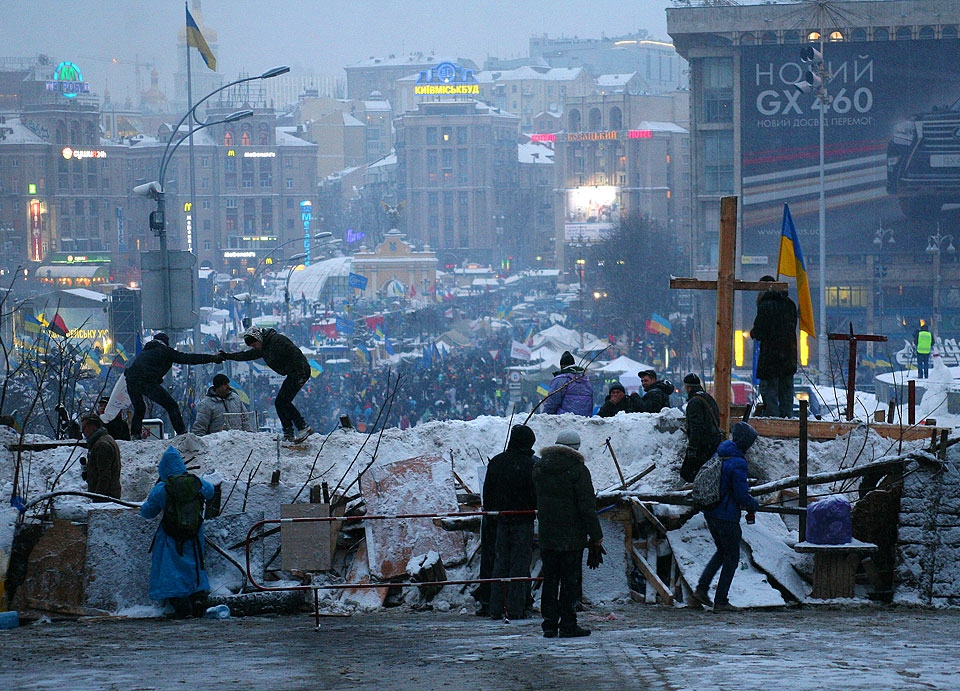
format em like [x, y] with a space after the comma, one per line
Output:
[791, 263]
[196, 40]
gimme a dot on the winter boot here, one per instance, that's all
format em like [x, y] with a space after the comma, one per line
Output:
[702, 597]
[301, 435]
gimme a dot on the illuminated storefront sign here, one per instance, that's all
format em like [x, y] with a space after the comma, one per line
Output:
[448, 79]
[590, 136]
[36, 238]
[543, 137]
[64, 258]
[306, 215]
[236, 254]
[259, 154]
[80, 154]
[640, 134]
[68, 81]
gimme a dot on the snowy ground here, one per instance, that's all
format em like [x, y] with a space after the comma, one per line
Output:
[631, 648]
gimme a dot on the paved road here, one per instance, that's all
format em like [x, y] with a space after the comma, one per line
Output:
[632, 647]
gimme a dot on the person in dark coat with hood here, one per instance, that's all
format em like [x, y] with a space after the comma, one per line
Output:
[177, 576]
[509, 487]
[775, 329]
[567, 513]
[703, 427]
[102, 464]
[724, 519]
[145, 375]
[570, 391]
[616, 402]
[284, 357]
[656, 393]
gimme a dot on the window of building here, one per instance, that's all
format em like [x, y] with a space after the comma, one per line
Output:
[461, 135]
[266, 179]
[204, 161]
[904, 33]
[431, 135]
[245, 139]
[717, 175]
[207, 245]
[289, 183]
[574, 118]
[228, 138]
[616, 118]
[230, 165]
[881, 35]
[717, 90]
[846, 296]
[205, 204]
[446, 135]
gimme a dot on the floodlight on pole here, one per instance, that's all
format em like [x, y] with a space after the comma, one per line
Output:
[155, 190]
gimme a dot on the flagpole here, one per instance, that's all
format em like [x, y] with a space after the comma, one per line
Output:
[193, 173]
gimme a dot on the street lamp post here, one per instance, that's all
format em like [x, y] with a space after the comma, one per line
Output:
[325, 235]
[155, 190]
[498, 220]
[934, 247]
[816, 83]
[880, 235]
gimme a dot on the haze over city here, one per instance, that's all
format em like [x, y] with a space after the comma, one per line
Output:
[318, 35]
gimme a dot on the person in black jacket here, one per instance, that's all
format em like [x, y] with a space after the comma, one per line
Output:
[616, 402]
[145, 376]
[509, 487]
[656, 394]
[567, 513]
[703, 427]
[775, 329]
[284, 357]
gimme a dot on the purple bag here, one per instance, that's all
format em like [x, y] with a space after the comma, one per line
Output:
[828, 522]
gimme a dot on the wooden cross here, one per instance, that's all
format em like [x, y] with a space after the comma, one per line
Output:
[725, 285]
[852, 362]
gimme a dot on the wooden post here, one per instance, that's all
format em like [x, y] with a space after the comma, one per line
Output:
[725, 285]
[912, 402]
[852, 361]
[725, 275]
[802, 471]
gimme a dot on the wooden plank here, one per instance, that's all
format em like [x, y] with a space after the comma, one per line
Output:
[822, 429]
[651, 576]
[648, 514]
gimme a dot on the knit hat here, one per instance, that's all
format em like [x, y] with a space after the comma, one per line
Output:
[220, 379]
[162, 337]
[743, 435]
[566, 360]
[569, 438]
[521, 437]
[617, 386]
[692, 380]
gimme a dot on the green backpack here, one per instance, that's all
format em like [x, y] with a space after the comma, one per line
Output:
[183, 512]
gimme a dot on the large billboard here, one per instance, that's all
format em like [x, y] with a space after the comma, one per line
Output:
[891, 144]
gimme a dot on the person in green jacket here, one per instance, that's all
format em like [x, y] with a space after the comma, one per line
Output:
[924, 346]
[567, 513]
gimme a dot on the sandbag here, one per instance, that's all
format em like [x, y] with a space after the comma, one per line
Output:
[829, 523]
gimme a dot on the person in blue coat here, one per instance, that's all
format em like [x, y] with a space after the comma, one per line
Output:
[570, 390]
[177, 578]
[724, 519]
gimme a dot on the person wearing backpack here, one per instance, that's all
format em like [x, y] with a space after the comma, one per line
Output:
[703, 427]
[177, 574]
[723, 519]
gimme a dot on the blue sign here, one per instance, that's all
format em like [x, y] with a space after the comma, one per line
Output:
[357, 281]
[344, 325]
[306, 215]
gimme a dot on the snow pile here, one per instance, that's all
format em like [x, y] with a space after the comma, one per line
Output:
[248, 461]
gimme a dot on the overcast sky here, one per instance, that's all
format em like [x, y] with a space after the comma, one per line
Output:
[324, 35]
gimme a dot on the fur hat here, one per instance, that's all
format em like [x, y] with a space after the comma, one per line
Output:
[569, 438]
[743, 435]
[566, 360]
[521, 437]
[692, 380]
[162, 337]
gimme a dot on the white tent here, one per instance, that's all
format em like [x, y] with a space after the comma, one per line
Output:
[624, 364]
